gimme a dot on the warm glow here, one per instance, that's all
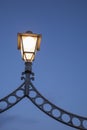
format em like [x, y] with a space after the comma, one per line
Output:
[29, 43]
[28, 47]
[28, 57]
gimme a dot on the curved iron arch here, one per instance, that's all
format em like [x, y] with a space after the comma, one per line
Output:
[44, 105]
[12, 99]
[54, 111]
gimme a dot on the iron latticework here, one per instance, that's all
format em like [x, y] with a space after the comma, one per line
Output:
[28, 90]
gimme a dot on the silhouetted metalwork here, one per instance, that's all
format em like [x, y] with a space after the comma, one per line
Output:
[28, 90]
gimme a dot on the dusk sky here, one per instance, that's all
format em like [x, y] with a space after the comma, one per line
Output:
[60, 66]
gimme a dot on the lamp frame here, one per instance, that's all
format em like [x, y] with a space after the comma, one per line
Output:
[39, 36]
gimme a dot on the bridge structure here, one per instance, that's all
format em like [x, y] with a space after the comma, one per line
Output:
[27, 89]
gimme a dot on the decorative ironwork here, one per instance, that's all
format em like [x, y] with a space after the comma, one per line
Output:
[44, 105]
[55, 112]
[28, 90]
[12, 99]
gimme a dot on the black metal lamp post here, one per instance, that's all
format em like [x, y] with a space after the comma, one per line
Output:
[29, 44]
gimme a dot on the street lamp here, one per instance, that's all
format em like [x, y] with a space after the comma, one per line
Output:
[29, 44]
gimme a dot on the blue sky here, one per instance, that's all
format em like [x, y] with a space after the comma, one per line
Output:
[60, 66]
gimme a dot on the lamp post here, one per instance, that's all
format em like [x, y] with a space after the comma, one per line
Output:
[29, 44]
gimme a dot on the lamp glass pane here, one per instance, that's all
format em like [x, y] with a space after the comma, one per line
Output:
[29, 43]
[28, 48]
[28, 57]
